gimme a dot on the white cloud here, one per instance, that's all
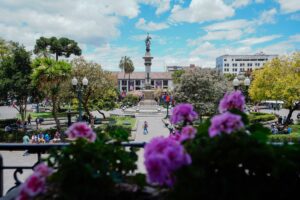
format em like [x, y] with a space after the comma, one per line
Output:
[156, 38]
[87, 22]
[201, 10]
[294, 38]
[228, 25]
[267, 16]
[258, 40]
[218, 35]
[150, 26]
[240, 3]
[289, 6]
[295, 17]
[162, 5]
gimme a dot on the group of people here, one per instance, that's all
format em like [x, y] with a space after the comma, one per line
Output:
[41, 138]
[281, 126]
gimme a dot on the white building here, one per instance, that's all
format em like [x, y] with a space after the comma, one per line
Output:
[136, 81]
[240, 64]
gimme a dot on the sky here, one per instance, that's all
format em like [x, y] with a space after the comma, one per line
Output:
[183, 32]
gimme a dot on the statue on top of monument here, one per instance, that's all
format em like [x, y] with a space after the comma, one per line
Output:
[148, 42]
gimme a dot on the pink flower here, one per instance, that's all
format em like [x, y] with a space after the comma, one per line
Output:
[183, 112]
[163, 156]
[36, 183]
[176, 136]
[187, 133]
[225, 123]
[81, 130]
[234, 100]
[43, 170]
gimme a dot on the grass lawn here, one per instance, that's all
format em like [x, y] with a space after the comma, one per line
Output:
[121, 120]
[43, 115]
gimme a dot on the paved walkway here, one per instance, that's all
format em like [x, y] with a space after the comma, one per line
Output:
[155, 128]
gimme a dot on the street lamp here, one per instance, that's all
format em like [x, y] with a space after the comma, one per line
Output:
[247, 82]
[236, 83]
[79, 89]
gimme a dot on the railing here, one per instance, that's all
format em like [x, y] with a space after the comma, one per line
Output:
[38, 149]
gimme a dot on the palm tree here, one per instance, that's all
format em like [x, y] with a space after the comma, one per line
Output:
[127, 66]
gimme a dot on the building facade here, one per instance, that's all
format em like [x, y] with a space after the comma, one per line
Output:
[136, 81]
[242, 64]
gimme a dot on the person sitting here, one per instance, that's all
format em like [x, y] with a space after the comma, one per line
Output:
[56, 138]
[41, 138]
[7, 128]
[47, 138]
[289, 130]
[274, 130]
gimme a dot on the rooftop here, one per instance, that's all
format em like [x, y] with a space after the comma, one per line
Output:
[141, 75]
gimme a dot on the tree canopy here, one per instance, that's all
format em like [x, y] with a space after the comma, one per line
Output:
[203, 88]
[279, 79]
[15, 71]
[48, 76]
[177, 75]
[60, 47]
[100, 92]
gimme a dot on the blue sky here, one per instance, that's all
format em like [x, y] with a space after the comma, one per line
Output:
[183, 32]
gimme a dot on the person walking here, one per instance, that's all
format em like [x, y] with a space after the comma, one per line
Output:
[29, 119]
[145, 128]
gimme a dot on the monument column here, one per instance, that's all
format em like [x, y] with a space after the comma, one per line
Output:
[148, 62]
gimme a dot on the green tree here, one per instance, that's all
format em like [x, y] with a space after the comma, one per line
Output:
[279, 79]
[176, 75]
[15, 71]
[100, 88]
[48, 76]
[127, 66]
[60, 47]
[203, 88]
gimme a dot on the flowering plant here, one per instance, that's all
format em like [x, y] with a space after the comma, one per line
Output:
[89, 167]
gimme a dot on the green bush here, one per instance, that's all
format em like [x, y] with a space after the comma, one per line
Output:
[236, 166]
[293, 137]
[261, 117]
[13, 137]
[5, 122]
[130, 100]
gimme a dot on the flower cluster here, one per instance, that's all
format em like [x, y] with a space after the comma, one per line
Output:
[163, 156]
[81, 130]
[183, 113]
[36, 183]
[233, 100]
[225, 123]
[228, 122]
[186, 133]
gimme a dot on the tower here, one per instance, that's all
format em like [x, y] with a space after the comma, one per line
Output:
[148, 62]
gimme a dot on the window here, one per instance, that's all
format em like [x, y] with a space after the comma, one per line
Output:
[225, 59]
[249, 64]
[124, 82]
[241, 69]
[138, 82]
[165, 82]
[152, 82]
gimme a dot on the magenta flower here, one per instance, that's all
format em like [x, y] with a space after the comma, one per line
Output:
[163, 156]
[225, 123]
[176, 136]
[183, 112]
[233, 100]
[36, 183]
[81, 130]
[187, 133]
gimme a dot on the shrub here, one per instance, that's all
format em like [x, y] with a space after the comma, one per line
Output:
[130, 100]
[5, 122]
[261, 117]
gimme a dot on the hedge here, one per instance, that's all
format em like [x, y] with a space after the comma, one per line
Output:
[261, 117]
[5, 122]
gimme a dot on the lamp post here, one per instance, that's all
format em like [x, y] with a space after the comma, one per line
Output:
[236, 83]
[79, 89]
[247, 82]
[168, 103]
